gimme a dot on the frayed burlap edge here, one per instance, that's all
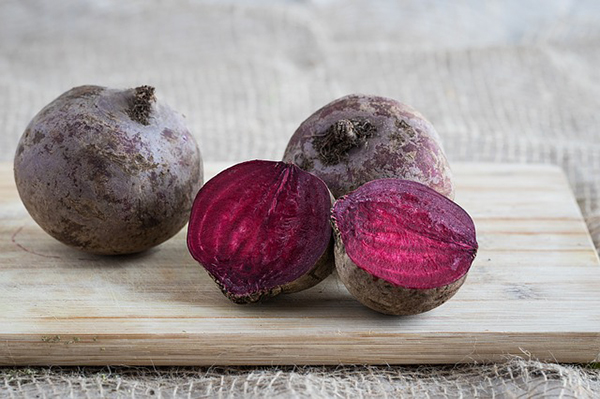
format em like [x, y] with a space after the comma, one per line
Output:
[517, 377]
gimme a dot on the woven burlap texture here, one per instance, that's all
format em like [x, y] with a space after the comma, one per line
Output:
[516, 378]
[503, 81]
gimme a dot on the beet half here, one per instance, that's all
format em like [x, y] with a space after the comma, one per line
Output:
[108, 171]
[359, 138]
[401, 248]
[261, 228]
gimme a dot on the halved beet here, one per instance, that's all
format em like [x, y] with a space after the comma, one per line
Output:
[400, 247]
[261, 228]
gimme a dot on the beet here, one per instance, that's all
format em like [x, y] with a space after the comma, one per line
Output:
[108, 171]
[261, 228]
[400, 247]
[359, 138]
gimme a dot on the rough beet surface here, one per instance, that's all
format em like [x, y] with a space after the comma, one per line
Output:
[359, 138]
[108, 171]
[261, 228]
[402, 248]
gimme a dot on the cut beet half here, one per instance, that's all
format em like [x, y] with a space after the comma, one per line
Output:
[261, 228]
[401, 247]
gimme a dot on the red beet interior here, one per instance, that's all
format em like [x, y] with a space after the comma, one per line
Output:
[406, 233]
[259, 225]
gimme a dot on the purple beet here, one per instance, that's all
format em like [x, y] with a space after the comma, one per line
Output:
[401, 248]
[261, 228]
[108, 171]
[359, 138]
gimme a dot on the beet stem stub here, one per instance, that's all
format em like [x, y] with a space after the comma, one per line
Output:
[409, 246]
[341, 137]
[140, 106]
[260, 228]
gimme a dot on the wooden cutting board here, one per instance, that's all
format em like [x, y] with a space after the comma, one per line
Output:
[534, 290]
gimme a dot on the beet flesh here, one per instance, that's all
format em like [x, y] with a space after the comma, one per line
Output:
[359, 138]
[261, 228]
[401, 247]
[108, 171]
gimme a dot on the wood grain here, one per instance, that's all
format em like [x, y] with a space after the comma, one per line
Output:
[533, 291]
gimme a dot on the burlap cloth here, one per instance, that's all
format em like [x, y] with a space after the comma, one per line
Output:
[505, 81]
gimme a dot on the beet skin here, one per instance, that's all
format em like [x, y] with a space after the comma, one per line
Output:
[400, 247]
[108, 171]
[261, 228]
[359, 138]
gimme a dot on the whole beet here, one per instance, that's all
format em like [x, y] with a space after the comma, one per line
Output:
[359, 138]
[108, 171]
